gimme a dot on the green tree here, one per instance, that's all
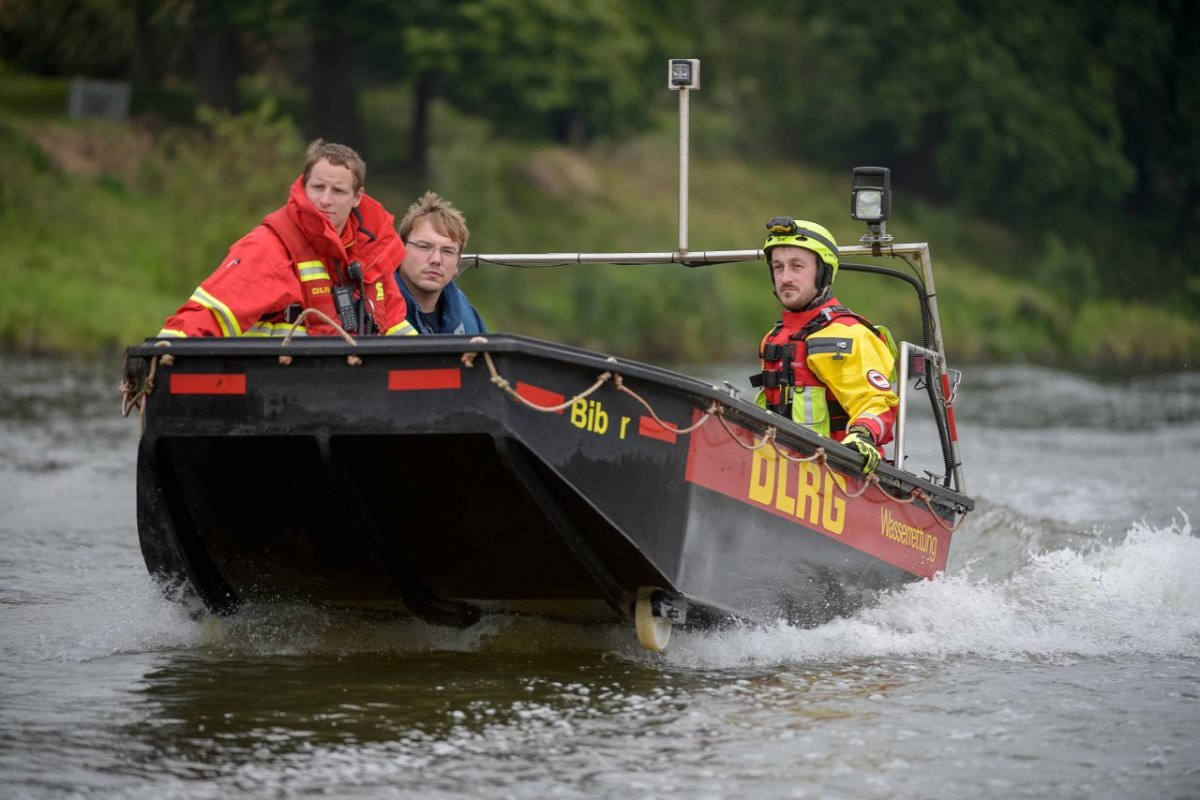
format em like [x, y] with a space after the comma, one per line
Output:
[1003, 107]
[67, 37]
[420, 44]
[1076, 117]
[533, 68]
[1155, 75]
[551, 68]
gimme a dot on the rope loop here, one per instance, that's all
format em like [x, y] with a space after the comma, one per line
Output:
[316, 312]
[871, 480]
[919, 494]
[818, 456]
[468, 359]
[133, 396]
[713, 408]
[507, 387]
[766, 441]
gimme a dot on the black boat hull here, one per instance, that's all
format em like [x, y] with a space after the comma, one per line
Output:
[449, 477]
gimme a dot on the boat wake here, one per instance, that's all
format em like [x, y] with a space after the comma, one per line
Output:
[1062, 595]
[1134, 594]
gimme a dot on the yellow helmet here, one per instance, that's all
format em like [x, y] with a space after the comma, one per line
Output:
[810, 236]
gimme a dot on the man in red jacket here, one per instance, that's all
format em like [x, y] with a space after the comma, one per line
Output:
[331, 248]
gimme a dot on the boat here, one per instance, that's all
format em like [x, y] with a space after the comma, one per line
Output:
[581, 485]
[452, 477]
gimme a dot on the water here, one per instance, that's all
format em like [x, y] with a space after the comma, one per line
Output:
[1059, 657]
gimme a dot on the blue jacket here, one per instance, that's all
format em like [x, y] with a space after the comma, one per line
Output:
[454, 312]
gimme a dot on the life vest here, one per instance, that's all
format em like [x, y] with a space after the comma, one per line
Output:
[789, 387]
[317, 285]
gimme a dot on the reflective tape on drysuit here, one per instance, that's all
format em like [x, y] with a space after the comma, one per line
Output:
[312, 271]
[810, 407]
[225, 318]
[405, 328]
[262, 328]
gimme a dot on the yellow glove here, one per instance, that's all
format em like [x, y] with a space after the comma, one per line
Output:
[862, 441]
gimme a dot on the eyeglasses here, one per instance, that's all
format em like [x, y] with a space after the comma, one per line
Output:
[426, 248]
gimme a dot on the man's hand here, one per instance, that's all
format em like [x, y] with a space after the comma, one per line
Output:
[862, 440]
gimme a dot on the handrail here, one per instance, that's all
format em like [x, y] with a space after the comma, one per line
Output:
[695, 258]
[907, 350]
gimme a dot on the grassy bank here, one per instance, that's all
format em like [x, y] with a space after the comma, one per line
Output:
[107, 228]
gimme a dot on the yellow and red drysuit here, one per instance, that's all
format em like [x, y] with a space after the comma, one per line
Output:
[827, 370]
[291, 262]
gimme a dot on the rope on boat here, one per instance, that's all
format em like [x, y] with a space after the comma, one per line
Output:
[868, 481]
[316, 312]
[352, 360]
[767, 439]
[468, 360]
[713, 408]
[913, 496]
[133, 396]
[919, 494]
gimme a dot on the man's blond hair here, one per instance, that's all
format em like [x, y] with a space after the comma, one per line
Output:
[442, 215]
[340, 156]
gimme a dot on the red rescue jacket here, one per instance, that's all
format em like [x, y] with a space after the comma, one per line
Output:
[292, 261]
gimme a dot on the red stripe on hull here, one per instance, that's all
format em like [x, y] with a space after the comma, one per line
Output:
[403, 380]
[649, 427]
[906, 535]
[539, 396]
[198, 383]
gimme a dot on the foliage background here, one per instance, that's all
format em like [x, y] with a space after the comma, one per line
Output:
[1046, 150]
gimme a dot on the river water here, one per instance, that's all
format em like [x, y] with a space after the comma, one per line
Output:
[1058, 657]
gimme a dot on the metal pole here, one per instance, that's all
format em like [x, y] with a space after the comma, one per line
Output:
[898, 453]
[683, 74]
[683, 169]
[942, 369]
[907, 350]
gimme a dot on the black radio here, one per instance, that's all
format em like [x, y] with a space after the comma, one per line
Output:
[343, 301]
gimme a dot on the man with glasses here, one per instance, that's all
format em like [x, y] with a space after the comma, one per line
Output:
[434, 234]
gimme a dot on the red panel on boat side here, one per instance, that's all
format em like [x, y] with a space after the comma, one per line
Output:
[208, 383]
[401, 380]
[648, 426]
[905, 534]
[539, 396]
